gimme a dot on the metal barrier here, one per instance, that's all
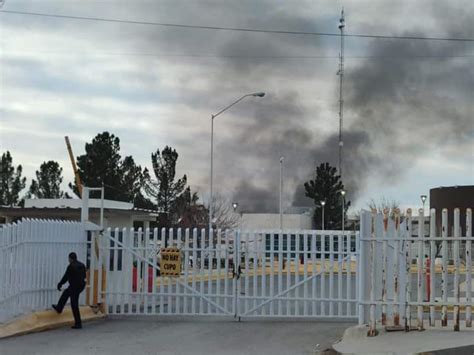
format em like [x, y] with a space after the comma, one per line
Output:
[263, 273]
[391, 290]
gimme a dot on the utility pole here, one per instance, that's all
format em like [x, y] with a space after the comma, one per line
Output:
[341, 101]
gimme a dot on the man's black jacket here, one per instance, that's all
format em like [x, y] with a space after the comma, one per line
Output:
[75, 274]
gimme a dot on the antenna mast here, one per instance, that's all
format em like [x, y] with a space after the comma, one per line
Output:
[341, 77]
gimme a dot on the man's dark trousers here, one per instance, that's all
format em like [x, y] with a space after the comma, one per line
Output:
[72, 293]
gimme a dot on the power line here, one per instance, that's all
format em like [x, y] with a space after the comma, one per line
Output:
[235, 29]
[193, 55]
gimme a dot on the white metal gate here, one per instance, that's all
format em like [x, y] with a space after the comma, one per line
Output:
[297, 274]
[233, 273]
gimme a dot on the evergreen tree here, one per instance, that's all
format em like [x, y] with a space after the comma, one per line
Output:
[48, 182]
[327, 186]
[102, 164]
[189, 213]
[165, 189]
[11, 182]
[133, 182]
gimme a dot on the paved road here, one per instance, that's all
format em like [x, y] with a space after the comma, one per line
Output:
[160, 335]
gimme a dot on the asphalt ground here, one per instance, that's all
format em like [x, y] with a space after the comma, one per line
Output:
[181, 335]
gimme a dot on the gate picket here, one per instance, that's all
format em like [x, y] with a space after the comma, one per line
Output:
[313, 273]
[280, 271]
[155, 262]
[468, 268]
[323, 274]
[331, 275]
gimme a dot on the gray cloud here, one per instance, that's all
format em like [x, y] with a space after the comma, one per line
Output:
[397, 106]
[413, 99]
[255, 199]
[404, 98]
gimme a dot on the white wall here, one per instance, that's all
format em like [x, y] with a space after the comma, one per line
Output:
[118, 222]
[272, 221]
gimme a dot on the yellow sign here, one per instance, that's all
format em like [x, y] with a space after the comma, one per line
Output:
[170, 262]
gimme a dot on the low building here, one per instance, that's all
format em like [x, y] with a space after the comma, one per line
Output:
[253, 221]
[117, 214]
[450, 198]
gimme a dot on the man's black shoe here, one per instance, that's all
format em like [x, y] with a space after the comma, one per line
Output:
[55, 307]
[76, 327]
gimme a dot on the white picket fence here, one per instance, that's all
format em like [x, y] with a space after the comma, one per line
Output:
[33, 258]
[322, 274]
[395, 292]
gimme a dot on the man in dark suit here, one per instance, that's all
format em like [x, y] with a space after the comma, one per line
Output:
[75, 275]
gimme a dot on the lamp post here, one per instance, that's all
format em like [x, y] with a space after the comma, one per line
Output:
[423, 199]
[343, 195]
[281, 192]
[235, 205]
[256, 94]
[323, 203]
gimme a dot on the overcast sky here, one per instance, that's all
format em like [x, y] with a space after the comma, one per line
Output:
[409, 112]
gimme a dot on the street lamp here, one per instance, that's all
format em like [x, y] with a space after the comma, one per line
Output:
[235, 205]
[343, 194]
[323, 203]
[256, 94]
[423, 199]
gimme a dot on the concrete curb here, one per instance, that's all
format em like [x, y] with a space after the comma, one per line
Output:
[44, 320]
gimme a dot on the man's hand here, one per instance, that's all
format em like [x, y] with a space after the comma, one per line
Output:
[59, 286]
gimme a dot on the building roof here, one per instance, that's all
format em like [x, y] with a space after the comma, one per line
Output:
[75, 203]
[71, 208]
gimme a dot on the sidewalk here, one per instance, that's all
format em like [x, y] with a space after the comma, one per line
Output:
[45, 320]
[442, 340]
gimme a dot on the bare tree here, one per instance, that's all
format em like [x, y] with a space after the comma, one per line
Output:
[224, 215]
[385, 204]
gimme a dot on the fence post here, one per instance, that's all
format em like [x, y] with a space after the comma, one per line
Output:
[386, 212]
[421, 236]
[396, 276]
[444, 279]
[468, 268]
[408, 257]
[457, 234]
[432, 266]
[373, 247]
[362, 265]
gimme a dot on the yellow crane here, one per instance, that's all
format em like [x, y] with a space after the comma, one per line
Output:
[74, 166]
